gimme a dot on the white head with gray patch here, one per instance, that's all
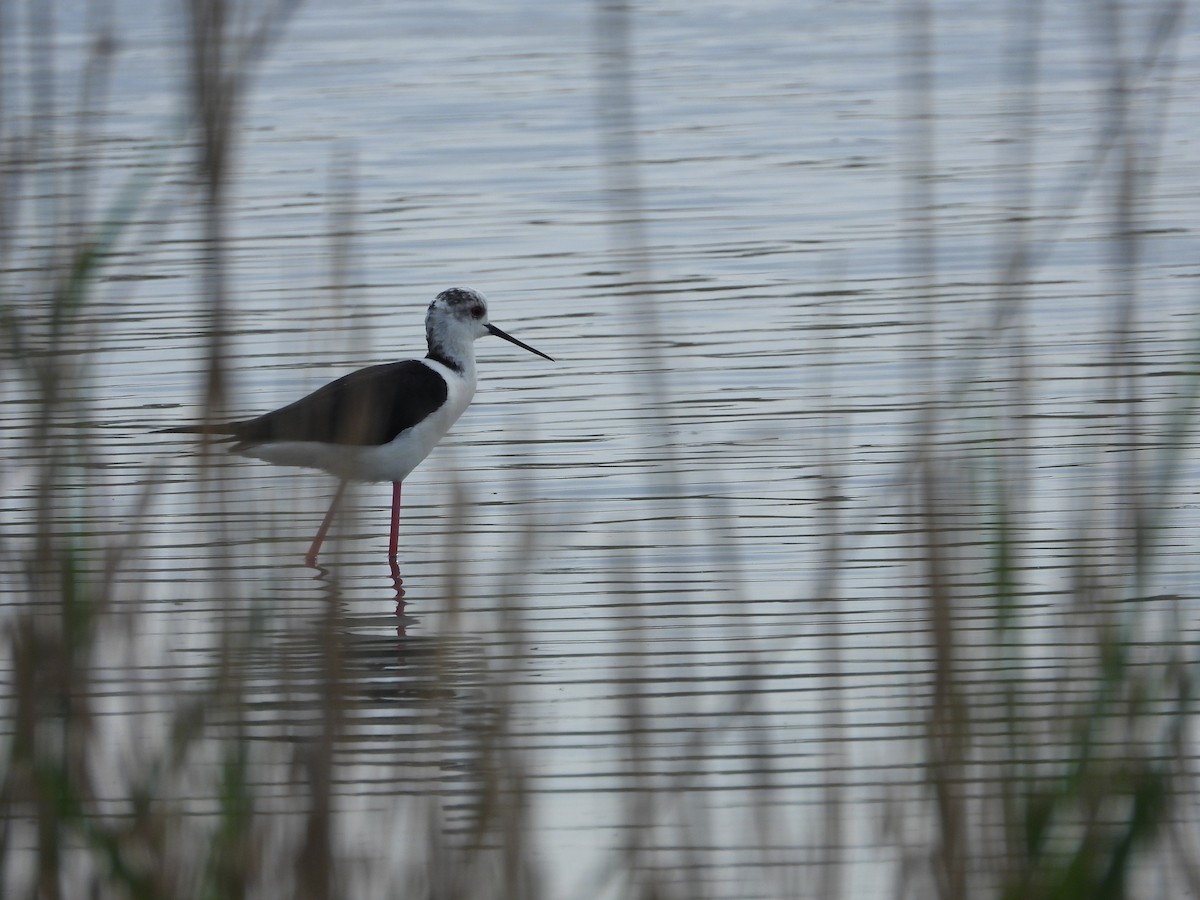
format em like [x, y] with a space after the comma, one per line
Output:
[457, 318]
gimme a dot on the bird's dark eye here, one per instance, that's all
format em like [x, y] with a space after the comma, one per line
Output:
[476, 312]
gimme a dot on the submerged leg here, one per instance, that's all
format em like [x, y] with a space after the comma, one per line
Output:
[394, 541]
[311, 557]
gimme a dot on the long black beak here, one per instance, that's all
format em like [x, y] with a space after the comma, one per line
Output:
[512, 340]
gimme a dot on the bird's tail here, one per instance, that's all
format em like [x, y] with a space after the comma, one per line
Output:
[227, 429]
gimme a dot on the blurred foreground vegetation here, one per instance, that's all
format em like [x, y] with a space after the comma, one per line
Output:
[173, 799]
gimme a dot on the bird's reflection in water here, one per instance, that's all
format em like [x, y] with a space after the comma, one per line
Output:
[403, 621]
[406, 712]
[379, 657]
[398, 587]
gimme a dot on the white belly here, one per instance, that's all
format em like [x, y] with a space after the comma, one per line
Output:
[392, 461]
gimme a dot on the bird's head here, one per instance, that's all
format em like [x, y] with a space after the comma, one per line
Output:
[462, 312]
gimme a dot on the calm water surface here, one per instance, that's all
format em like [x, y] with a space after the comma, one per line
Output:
[639, 528]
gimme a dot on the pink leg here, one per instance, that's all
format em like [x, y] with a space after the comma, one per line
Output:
[394, 541]
[311, 557]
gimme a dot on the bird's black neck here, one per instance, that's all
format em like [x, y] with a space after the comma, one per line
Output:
[436, 354]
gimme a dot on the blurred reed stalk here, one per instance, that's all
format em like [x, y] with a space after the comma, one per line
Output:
[51, 245]
[666, 792]
[658, 792]
[1075, 802]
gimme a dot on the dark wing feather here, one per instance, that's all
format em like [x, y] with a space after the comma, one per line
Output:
[365, 408]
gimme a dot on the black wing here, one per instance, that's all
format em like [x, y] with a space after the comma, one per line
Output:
[365, 408]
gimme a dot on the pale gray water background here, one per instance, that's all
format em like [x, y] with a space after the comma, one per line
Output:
[771, 134]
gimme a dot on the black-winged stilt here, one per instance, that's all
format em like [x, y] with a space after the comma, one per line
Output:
[378, 423]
